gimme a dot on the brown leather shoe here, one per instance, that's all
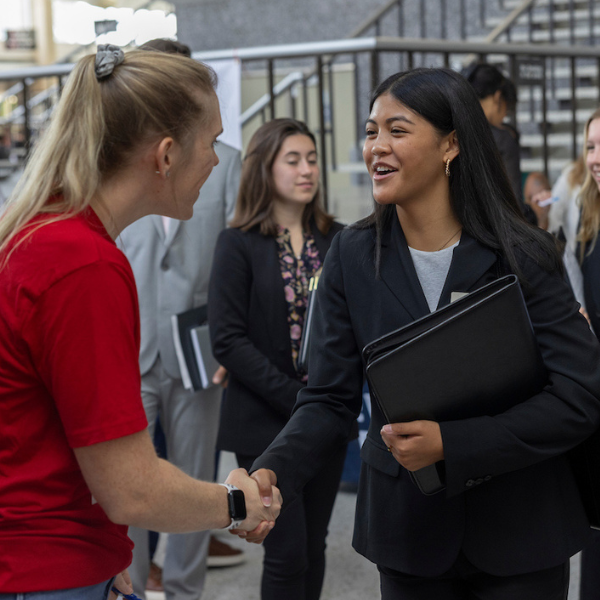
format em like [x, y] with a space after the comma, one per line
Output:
[154, 583]
[221, 554]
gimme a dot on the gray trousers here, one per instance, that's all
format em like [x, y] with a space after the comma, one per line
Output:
[190, 421]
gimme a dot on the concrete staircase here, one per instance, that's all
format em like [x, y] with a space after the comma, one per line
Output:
[558, 22]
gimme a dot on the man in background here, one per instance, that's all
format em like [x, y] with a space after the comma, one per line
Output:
[171, 262]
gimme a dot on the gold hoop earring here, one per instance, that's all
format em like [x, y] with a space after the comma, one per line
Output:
[448, 168]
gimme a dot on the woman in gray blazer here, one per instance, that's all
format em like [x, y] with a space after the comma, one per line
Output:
[257, 300]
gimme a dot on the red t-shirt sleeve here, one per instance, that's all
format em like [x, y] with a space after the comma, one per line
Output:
[83, 336]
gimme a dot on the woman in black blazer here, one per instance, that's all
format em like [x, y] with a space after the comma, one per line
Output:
[257, 299]
[446, 220]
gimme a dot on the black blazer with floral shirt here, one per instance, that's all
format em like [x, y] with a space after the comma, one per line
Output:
[250, 334]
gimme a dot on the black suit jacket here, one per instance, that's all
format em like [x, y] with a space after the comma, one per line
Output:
[591, 285]
[247, 314]
[511, 503]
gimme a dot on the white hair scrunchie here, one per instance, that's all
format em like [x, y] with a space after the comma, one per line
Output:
[107, 58]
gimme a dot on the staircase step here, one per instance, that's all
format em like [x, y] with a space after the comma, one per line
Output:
[555, 140]
[561, 66]
[589, 71]
[562, 93]
[581, 34]
[542, 17]
[555, 165]
[509, 5]
[553, 117]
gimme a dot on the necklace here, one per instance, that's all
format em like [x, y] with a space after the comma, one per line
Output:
[451, 238]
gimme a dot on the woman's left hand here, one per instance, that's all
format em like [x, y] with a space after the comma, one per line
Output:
[414, 445]
[122, 583]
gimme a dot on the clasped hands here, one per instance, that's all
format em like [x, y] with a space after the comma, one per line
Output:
[263, 503]
[414, 445]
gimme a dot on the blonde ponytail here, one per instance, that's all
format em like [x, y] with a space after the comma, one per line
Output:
[97, 126]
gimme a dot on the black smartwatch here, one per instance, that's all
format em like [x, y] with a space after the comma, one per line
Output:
[237, 505]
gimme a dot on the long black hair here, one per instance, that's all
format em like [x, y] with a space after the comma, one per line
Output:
[486, 80]
[480, 193]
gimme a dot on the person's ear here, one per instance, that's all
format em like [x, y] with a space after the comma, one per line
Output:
[164, 156]
[451, 147]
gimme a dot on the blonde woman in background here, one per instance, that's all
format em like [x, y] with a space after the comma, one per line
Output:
[589, 198]
[589, 254]
[132, 135]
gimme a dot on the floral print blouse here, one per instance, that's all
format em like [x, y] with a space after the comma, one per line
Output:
[296, 273]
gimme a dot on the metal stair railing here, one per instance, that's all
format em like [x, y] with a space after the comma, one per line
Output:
[552, 26]
[513, 52]
[375, 46]
[279, 89]
[310, 77]
[551, 22]
[20, 87]
[550, 19]
[503, 27]
[18, 113]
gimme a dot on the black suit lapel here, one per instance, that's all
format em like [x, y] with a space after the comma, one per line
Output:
[470, 262]
[398, 271]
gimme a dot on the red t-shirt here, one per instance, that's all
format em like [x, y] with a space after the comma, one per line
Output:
[69, 377]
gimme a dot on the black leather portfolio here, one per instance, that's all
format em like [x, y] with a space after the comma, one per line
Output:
[477, 356]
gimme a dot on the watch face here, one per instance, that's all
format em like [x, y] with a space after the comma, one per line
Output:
[237, 505]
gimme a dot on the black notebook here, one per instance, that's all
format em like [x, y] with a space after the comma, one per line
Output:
[477, 356]
[192, 347]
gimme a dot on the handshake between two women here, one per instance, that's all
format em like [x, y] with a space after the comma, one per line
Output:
[263, 503]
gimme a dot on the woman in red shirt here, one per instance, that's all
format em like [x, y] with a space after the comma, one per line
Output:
[132, 135]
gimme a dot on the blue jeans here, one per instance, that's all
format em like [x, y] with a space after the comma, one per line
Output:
[99, 591]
